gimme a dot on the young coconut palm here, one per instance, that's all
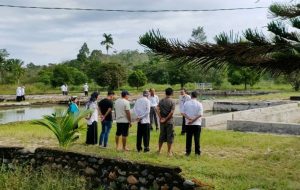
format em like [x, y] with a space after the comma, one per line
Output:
[64, 126]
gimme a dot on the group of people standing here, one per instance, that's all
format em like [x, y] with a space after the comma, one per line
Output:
[148, 110]
[20, 94]
[65, 91]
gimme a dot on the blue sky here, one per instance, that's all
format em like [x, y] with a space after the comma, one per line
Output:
[51, 36]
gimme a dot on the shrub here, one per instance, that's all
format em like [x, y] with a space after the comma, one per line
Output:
[62, 125]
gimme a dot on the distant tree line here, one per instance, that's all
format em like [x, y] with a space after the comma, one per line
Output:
[112, 71]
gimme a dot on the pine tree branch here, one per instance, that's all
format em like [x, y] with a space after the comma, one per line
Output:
[285, 11]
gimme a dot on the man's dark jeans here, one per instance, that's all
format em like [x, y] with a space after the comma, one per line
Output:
[106, 126]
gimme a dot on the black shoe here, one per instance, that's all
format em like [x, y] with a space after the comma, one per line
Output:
[187, 154]
[146, 150]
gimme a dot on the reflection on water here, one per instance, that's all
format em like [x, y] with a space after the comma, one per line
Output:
[37, 112]
[27, 113]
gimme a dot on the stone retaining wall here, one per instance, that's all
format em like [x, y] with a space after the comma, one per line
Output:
[252, 126]
[100, 171]
[295, 98]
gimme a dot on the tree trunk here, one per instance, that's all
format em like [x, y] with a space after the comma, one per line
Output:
[181, 85]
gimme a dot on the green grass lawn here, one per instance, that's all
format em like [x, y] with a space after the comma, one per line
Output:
[44, 179]
[229, 160]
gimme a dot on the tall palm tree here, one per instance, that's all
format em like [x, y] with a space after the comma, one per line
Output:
[3, 65]
[16, 69]
[107, 42]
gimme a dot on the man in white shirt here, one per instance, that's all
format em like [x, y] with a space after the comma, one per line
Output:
[154, 100]
[19, 94]
[123, 119]
[142, 110]
[63, 89]
[193, 111]
[184, 97]
[86, 89]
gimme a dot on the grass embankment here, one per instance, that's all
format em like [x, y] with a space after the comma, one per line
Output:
[44, 179]
[229, 160]
[39, 88]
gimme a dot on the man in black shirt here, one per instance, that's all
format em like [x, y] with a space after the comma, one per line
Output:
[106, 107]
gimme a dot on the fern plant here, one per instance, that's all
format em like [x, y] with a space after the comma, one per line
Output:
[62, 125]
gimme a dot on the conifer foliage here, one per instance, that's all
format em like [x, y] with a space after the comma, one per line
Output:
[278, 54]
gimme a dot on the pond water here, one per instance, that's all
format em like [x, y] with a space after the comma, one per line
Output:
[27, 113]
[8, 115]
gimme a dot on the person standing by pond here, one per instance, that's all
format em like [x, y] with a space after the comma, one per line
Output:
[142, 111]
[92, 120]
[184, 97]
[73, 108]
[63, 89]
[19, 94]
[154, 100]
[193, 111]
[123, 119]
[86, 89]
[23, 93]
[106, 107]
[165, 111]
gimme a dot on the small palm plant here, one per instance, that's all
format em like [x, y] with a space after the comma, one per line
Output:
[63, 125]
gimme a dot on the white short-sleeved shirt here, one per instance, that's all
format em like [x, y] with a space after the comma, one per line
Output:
[19, 91]
[182, 101]
[94, 117]
[192, 109]
[121, 105]
[63, 88]
[85, 87]
[142, 109]
[154, 100]
[22, 91]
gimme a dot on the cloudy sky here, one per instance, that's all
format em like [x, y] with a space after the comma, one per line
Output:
[51, 36]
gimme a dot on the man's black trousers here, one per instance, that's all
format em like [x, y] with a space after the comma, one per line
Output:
[143, 134]
[193, 131]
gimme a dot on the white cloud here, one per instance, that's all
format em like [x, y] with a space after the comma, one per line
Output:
[43, 36]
